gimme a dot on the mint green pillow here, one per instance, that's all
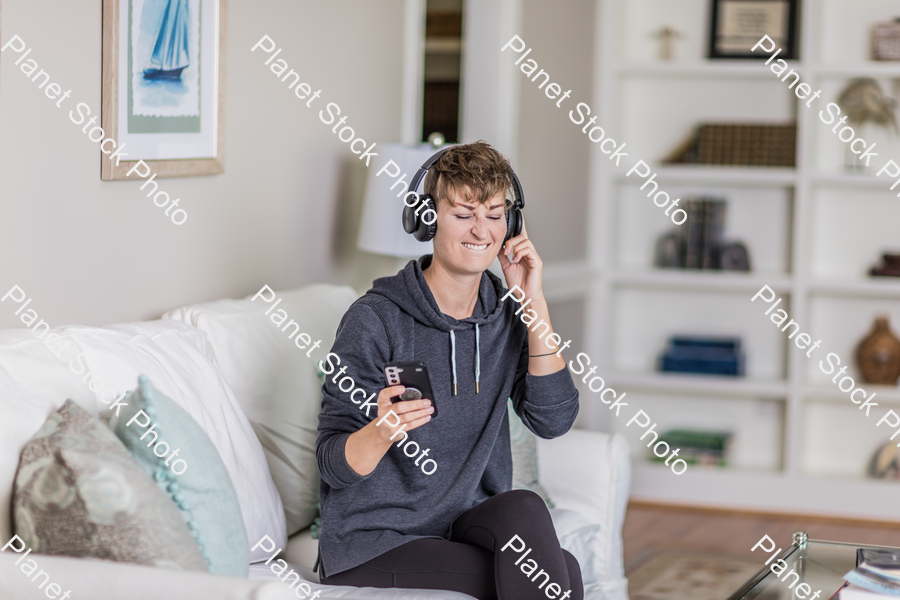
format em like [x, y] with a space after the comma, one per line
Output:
[195, 478]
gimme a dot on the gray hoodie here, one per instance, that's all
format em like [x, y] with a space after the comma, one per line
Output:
[399, 319]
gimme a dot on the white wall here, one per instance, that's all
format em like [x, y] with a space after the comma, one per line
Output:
[501, 105]
[489, 89]
[552, 151]
[283, 213]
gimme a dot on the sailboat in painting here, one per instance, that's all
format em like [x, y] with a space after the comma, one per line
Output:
[170, 52]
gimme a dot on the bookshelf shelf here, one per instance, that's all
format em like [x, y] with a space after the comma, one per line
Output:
[882, 287]
[711, 175]
[721, 69]
[648, 467]
[883, 486]
[701, 385]
[887, 394]
[871, 69]
[752, 69]
[808, 493]
[713, 281]
[867, 181]
[812, 231]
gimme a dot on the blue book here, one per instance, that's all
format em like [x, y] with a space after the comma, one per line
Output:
[704, 355]
[725, 343]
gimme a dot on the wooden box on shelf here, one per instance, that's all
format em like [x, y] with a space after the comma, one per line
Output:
[886, 41]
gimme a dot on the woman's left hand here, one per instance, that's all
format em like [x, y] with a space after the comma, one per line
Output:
[522, 266]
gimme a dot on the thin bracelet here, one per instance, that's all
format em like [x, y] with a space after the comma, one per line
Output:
[540, 355]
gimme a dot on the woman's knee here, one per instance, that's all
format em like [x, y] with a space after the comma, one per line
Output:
[525, 502]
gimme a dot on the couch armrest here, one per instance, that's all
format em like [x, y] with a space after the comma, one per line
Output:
[590, 472]
[105, 580]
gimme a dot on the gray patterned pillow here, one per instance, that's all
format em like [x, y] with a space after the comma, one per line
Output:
[78, 492]
[523, 444]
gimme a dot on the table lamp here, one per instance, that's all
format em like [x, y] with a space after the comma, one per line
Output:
[380, 228]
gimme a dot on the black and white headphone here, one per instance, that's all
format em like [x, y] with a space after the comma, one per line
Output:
[414, 221]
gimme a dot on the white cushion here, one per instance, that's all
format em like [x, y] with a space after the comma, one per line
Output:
[105, 580]
[33, 384]
[589, 473]
[273, 379]
[579, 536]
[177, 360]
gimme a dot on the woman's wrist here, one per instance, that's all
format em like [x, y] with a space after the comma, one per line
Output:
[379, 434]
[365, 448]
[536, 298]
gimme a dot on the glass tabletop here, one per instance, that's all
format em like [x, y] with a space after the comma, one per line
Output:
[821, 565]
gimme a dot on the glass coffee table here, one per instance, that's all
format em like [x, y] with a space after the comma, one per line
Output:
[820, 564]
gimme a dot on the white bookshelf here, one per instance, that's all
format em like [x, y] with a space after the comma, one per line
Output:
[732, 176]
[812, 231]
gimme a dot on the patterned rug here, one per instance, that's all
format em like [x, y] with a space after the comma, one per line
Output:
[680, 575]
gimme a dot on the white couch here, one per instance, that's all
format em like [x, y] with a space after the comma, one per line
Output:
[244, 381]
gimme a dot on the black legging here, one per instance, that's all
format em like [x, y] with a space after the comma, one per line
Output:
[472, 562]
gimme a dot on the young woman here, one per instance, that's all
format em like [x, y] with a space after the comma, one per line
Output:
[439, 518]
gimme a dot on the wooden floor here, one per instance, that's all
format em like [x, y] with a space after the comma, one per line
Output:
[651, 527]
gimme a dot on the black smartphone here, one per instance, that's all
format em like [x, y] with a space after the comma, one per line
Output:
[413, 374]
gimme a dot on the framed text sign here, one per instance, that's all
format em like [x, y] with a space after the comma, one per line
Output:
[736, 25]
[163, 85]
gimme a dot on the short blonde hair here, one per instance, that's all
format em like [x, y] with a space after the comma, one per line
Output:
[476, 171]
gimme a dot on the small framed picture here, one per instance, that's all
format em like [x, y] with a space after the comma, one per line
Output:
[737, 25]
[163, 86]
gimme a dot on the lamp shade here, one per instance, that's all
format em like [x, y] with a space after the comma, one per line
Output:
[380, 229]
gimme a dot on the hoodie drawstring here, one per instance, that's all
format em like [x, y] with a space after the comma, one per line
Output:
[453, 358]
[477, 358]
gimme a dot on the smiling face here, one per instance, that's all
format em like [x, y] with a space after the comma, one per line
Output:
[469, 233]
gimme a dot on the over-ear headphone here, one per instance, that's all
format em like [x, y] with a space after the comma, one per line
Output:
[414, 221]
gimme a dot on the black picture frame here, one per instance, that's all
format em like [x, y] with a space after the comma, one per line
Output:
[788, 38]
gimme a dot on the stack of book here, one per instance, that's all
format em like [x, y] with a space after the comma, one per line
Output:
[703, 448]
[746, 145]
[701, 236]
[706, 355]
[877, 576]
[698, 243]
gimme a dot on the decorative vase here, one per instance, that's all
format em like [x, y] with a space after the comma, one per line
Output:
[885, 463]
[878, 354]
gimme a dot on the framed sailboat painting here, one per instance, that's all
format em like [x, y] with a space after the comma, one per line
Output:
[163, 86]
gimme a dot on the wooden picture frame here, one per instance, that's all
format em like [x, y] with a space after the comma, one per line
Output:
[736, 26]
[172, 145]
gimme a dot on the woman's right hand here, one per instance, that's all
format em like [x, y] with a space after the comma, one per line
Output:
[366, 447]
[409, 413]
